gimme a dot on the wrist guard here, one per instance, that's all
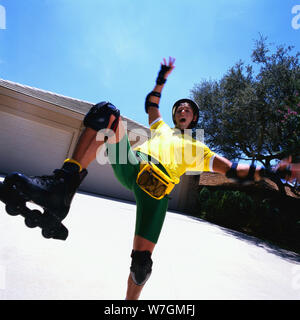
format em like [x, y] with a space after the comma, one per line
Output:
[151, 104]
[232, 174]
[161, 75]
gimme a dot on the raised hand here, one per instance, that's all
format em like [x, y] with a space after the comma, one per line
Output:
[170, 65]
[165, 70]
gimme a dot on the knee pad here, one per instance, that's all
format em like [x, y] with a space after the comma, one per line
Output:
[141, 266]
[98, 116]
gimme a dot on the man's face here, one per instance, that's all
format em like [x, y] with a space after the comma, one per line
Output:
[184, 116]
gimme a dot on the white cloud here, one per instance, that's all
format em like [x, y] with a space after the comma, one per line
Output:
[2, 17]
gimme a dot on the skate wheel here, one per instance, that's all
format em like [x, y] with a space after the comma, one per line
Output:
[59, 234]
[47, 233]
[12, 211]
[62, 234]
[33, 220]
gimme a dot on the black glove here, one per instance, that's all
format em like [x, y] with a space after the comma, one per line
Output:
[161, 75]
[279, 173]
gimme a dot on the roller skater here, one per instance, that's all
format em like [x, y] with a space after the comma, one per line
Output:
[151, 171]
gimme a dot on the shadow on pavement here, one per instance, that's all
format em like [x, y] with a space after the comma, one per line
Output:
[266, 245]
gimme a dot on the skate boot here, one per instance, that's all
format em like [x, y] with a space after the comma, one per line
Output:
[54, 193]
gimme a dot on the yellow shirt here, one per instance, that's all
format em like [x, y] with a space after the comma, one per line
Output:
[177, 152]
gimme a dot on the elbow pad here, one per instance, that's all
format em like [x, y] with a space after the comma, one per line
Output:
[151, 104]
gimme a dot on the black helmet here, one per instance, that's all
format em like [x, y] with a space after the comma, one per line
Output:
[194, 106]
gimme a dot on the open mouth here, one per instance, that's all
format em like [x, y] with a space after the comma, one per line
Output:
[182, 120]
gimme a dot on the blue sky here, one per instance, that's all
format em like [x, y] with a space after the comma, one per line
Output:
[98, 50]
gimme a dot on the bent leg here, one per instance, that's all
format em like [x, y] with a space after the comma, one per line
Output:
[89, 143]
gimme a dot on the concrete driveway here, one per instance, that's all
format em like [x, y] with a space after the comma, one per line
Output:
[193, 259]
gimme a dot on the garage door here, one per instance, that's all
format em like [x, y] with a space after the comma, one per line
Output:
[101, 180]
[30, 146]
[34, 148]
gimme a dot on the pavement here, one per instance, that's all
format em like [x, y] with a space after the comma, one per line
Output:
[193, 260]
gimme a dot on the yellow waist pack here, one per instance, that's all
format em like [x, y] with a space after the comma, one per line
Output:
[153, 181]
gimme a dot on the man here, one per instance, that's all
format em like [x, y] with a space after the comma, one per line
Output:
[151, 171]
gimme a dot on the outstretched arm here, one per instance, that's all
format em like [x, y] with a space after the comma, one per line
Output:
[223, 165]
[153, 98]
[245, 172]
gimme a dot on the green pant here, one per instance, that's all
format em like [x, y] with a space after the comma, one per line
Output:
[150, 213]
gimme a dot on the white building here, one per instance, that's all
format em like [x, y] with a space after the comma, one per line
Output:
[39, 130]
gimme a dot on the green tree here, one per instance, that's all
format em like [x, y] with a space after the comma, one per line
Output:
[253, 115]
